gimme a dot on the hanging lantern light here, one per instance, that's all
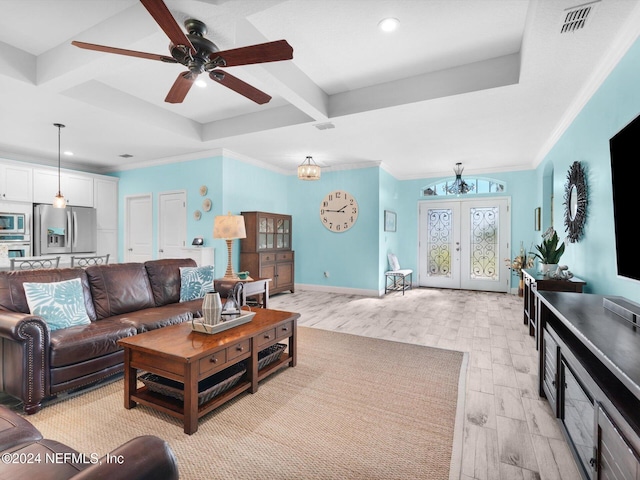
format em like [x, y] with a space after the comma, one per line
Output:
[308, 170]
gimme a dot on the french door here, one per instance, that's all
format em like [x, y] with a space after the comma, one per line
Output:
[463, 244]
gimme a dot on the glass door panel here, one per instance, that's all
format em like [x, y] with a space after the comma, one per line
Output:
[439, 245]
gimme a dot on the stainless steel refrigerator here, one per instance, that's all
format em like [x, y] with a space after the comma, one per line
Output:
[64, 230]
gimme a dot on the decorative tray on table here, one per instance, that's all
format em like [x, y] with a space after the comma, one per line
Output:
[228, 321]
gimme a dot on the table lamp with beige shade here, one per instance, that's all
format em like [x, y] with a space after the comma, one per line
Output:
[229, 227]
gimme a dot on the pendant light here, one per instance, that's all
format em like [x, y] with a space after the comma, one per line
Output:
[58, 200]
[459, 186]
[308, 170]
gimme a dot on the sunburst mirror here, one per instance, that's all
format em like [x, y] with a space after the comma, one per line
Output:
[575, 202]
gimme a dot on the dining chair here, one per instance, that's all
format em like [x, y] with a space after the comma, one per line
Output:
[32, 263]
[88, 260]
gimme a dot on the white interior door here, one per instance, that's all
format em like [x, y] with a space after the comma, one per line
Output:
[172, 224]
[138, 225]
[463, 244]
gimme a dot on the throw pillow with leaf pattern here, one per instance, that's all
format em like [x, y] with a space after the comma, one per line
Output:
[61, 304]
[195, 282]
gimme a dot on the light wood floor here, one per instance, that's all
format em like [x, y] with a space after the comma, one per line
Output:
[510, 432]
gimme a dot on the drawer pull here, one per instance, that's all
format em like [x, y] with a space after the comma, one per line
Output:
[239, 348]
[267, 336]
[285, 329]
[213, 360]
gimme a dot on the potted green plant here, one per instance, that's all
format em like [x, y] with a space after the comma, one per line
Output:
[549, 252]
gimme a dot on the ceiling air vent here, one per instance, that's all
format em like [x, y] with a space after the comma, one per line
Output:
[126, 155]
[575, 18]
[324, 126]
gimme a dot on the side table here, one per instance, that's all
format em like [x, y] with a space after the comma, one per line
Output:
[251, 287]
[534, 280]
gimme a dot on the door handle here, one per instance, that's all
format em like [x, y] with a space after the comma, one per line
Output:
[75, 229]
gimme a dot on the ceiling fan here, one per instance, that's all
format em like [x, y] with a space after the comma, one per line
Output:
[201, 55]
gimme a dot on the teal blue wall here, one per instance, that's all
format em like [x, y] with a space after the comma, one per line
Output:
[351, 258]
[356, 259]
[390, 242]
[188, 176]
[245, 188]
[614, 105]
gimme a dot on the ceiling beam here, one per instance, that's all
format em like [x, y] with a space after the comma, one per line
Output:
[492, 73]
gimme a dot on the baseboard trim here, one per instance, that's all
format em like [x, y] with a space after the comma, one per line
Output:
[344, 290]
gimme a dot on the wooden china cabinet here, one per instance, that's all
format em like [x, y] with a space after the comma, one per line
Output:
[266, 252]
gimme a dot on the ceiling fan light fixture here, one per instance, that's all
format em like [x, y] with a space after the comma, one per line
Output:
[388, 24]
[200, 83]
[309, 170]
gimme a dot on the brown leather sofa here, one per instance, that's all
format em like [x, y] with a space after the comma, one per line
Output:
[121, 300]
[25, 454]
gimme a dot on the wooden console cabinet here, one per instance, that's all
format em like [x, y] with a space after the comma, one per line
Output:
[533, 281]
[589, 371]
[266, 252]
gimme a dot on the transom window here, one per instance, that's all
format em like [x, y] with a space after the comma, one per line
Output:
[474, 186]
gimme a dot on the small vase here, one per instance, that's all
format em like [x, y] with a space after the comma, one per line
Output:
[211, 308]
[548, 269]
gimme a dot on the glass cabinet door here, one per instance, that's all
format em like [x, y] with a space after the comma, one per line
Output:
[270, 231]
[274, 232]
[262, 233]
[578, 417]
[287, 235]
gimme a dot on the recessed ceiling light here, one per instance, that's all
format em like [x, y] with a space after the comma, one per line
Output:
[388, 24]
[68, 153]
[201, 83]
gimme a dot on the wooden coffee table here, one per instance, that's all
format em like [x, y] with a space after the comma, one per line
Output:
[177, 353]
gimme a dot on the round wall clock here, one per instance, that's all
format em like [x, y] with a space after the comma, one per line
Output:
[575, 202]
[339, 211]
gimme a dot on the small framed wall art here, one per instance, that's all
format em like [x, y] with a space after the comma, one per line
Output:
[389, 221]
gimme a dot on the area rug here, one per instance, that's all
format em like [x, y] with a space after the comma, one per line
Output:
[353, 408]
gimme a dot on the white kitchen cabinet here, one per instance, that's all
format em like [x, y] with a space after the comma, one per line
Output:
[16, 183]
[106, 202]
[108, 243]
[76, 188]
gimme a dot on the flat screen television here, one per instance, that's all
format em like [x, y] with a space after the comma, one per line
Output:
[625, 149]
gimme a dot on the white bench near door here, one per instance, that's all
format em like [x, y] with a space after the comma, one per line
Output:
[397, 279]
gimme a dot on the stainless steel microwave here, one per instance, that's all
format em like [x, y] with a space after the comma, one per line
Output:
[12, 223]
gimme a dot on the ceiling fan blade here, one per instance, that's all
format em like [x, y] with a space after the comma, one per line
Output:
[239, 86]
[180, 88]
[163, 17]
[122, 51]
[260, 53]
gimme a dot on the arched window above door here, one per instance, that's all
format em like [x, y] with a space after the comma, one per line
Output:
[473, 186]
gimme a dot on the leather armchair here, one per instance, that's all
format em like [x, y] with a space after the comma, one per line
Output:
[143, 458]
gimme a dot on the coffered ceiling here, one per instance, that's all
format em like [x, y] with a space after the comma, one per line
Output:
[489, 83]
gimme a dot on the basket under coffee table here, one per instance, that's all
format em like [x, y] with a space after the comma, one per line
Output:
[178, 353]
